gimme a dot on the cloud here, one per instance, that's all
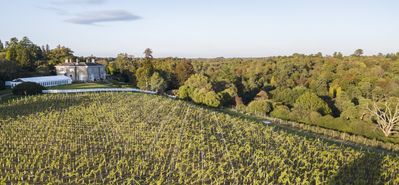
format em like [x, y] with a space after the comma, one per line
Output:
[59, 5]
[54, 9]
[90, 2]
[92, 18]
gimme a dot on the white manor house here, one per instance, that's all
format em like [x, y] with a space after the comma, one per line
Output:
[82, 71]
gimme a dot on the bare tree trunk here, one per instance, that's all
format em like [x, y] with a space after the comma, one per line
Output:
[387, 118]
[362, 116]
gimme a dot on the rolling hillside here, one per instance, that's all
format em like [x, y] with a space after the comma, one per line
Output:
[113, 138]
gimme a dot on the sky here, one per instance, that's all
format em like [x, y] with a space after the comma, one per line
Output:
[205, 28]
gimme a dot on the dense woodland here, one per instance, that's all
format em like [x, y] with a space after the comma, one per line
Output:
[22, 58]
[335, 92]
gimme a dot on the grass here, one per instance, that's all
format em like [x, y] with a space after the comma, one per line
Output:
[5, 91]
[5, 94]
[91, 85]
[106, 84]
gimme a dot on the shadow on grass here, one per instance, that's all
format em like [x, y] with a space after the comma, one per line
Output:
[364, 170]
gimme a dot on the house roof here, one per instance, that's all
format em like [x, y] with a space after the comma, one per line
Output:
[42, 79]
[79, 64]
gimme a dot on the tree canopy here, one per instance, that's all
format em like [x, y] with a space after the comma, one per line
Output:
[199, 89]
[310, 102]
[59, 54]
[148, 53]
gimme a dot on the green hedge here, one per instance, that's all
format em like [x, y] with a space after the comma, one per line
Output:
[2, 85]
[27, 88]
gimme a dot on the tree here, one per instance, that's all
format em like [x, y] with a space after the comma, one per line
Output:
[262, 95]
[110, 68]
[212, 99]
[47, 48]
[11, 53]
[157, 83]
[124, 67]
[24, 52]
[148, 53]
[319, 86]
[59, 54]
[184, 70]
[358, 53]
[124, 62]
[228, 95]
[143, 75]
[387, 116]
[350, 113]
[196, 81]
[281, 111]
[1, 46]
[8, 70]
[309, 102]
[260, 107]
[2, 84]
[335, 91]
[28, 88]
[287, 95]
[248, 88]
[43, 70]
[199, 89]
[338, 55]
[184, 92]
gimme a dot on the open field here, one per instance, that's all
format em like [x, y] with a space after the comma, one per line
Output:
[143, 139]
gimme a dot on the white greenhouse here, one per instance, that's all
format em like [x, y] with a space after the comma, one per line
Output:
[46, 81]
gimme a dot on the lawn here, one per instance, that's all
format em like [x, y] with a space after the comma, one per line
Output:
[91, 85]
[5, 91]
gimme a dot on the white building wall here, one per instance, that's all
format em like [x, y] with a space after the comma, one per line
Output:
[83, 73]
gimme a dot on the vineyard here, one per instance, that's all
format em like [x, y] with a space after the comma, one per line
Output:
[127, 138]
